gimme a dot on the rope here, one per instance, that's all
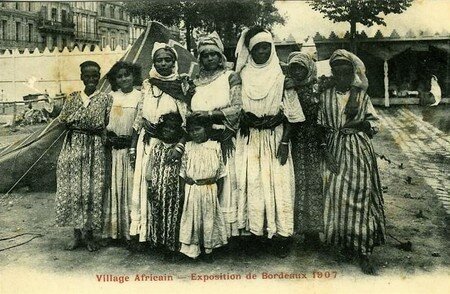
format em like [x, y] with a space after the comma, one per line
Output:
[20, 244]
[29, 169]
[23, 234]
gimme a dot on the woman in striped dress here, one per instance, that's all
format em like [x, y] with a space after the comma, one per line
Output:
[354, 214]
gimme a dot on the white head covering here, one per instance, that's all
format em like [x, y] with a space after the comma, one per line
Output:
[257, 79]
[360, 80]
[211, 42]
[154, 73]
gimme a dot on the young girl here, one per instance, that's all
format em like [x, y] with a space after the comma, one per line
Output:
[165, 192]
[123, 76]
[202, 171]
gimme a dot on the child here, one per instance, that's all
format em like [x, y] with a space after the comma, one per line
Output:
[123, 76]
[202, 171]
[165, 192]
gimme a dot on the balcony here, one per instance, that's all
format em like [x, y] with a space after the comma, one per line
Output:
[85, 36]
[65, 27]
[19, 44]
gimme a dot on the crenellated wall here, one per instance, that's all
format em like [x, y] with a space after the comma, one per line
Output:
[54, 72]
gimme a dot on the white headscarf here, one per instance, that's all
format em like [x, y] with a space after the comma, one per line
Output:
[257, 79]
[154, 73]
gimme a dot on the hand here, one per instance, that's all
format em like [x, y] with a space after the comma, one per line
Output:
[331, 162]
[174, 156]
[352, 127]
[201, 114]
[132, 154]
[189, 181]
[289, 83]
[282, 153]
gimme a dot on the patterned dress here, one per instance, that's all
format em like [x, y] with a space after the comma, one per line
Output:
[165, 197]
[202, 222]
[81, 163]
[157, 226]
[309, 201]
[116, 207]
[354, 213]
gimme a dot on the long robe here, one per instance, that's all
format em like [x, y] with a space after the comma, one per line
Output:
[227, 99]
[309, 201]
[354, 214]
[266, 188]
[116, 208]
[81, 163]
[153, 106]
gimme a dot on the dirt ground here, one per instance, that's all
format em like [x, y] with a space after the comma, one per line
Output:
[413, 214]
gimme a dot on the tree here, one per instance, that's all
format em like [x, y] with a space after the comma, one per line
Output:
[227, 17]
[365, 12]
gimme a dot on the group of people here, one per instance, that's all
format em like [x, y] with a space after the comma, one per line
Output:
[247, 158]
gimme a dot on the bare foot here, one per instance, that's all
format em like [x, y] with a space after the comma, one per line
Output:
[91, 245]
[76, 242]
[367, 266]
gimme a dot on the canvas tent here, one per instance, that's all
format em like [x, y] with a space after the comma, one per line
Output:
[32, 161]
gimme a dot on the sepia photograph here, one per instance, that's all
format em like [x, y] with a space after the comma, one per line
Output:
[268, 146]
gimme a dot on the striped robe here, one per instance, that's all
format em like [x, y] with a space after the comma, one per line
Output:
[354, 214]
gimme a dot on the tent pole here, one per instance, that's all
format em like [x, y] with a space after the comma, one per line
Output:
[386, 84]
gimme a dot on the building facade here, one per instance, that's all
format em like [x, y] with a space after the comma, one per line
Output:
[113, 25]
[31, 25]
[85, 20]
[59, 24]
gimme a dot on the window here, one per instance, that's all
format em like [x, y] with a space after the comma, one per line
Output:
[111, 12]
[54, 14]
[102, 10]
[103, 41]
[84, 24]
[4, 29]
[29, 6]
[121, 15]
[122, 44]
[63, 15]
[18, 31]
[30, 32]
[44, 12]
[64, 43]
[17, 5]
[113, 43]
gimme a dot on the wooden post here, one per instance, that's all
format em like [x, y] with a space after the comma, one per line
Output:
[13, 124]
[386, 84]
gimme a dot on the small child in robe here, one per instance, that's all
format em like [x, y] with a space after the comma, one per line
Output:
[202, 227]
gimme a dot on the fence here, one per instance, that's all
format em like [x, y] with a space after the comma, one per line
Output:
[49, 72]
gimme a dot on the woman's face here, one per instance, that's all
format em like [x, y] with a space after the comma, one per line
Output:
[197, 133]
[124, 79]
[210, 60]
[298, 72]
[90, 75]
[343, 74]
[164, 62]
[261, 52]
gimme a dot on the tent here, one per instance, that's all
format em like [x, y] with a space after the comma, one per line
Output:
[32, 161]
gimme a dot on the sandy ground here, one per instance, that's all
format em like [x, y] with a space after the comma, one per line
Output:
[413, 213]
